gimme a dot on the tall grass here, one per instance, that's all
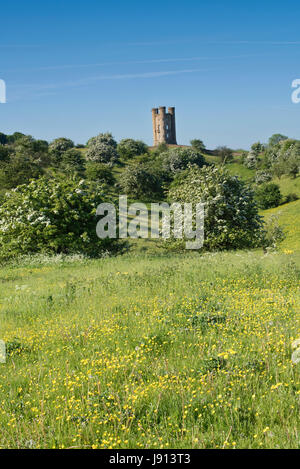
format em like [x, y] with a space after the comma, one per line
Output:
[174, 351]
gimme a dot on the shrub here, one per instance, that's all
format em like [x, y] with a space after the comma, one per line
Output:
[268, 195]
[102, 149]
[128, 148]
[51, 216]
[231, 216]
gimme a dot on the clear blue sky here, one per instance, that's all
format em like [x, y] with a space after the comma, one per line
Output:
[77, 68]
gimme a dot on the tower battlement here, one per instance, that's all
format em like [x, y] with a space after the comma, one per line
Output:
[164, 129]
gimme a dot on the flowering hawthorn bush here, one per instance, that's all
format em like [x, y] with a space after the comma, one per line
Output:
[51, 216]
[231, 215]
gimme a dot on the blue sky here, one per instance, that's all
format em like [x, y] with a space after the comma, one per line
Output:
[77, 68]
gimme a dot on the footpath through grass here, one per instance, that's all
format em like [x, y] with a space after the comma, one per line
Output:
[178, 351]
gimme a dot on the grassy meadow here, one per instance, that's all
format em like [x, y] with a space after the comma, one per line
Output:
[156, 351]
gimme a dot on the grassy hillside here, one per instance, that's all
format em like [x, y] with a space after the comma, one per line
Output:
[288, 185]
[164, 351]
[289, 219]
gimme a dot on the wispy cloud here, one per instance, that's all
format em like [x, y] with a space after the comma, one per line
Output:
[137, 62]
[199, 41]
[19, 46]
[274, 43]
[120, 76]
[35, 89]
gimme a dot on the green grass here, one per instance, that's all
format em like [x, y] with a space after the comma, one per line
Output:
[289, 219]
[178, 351]
[238, 169]
[288, 185]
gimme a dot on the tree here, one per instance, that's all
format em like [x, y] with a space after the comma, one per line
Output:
[51, 216]
[268, 195]
[251, 160]
[128, 148]
[139, 180]
[276, 138]
[102, 149]
[178, 159]
[262, 176]
[293, 165]
[14, 137]
[273, 233]
[58, 146]
[278, 168]
[3, 139]
[257, 148]
[4, 153]
[225, 153]
[35, 150]
[19, 169]
[99, 172]
[197, 145]
[231, 216]
[72, 162]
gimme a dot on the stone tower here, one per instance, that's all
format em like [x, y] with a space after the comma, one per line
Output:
[164, 130]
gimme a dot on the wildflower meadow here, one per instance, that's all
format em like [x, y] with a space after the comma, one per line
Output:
[163, 351]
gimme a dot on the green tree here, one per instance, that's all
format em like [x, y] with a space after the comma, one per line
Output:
[72, 162]
[3, 139]
[276, 138]
[225, 153]
[57, 147]
[19, 169]
[35, 150]
[102, 149]
[178, 159]
[231, 215]
[128, 148]
[197, 145]
[268, 195]
[14, 137]
[4, 153]
[99, 172]
[257, 148]
[293, 165]
[251, 160]
[51, 216]
[139, 180]
[262, 176]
